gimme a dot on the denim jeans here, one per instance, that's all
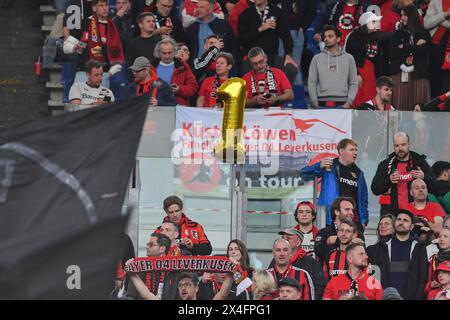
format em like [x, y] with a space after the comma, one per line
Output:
[298, 39]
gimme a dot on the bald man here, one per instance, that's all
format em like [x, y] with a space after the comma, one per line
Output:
[396, 173]
[430, 211]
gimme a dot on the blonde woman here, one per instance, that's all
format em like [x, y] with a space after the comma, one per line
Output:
[263, 286]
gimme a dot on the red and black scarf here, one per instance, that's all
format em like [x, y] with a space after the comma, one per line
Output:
[270, 83]
[111, 40]
[213, 94]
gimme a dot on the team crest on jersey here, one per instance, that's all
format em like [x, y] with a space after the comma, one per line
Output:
[353, 174]
[346, 21]
[194, 234]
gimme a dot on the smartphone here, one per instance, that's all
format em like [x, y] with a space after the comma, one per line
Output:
[107, 99]
[267, 95]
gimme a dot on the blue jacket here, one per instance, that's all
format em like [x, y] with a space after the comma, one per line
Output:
[330, 188]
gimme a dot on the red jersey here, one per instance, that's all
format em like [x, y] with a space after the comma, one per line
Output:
[208, 90]
[335, 264]
[189, 229]
[402, 185]
[281, 82]
[302, 276]
[342, 284]
[346, 22]
[433, 293]
[431, 211]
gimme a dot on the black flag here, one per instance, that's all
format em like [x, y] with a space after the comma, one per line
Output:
[62, 174]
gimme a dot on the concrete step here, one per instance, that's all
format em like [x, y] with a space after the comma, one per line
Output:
[46, 29]
[55, 76]
[54, 86]
[47, 9]
[56, 105]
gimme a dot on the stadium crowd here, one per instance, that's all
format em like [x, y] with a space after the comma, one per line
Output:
[378, 55]
[410, 260]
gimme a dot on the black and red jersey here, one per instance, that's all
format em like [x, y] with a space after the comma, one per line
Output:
[193, 231]
[335, 263]
[302, 276]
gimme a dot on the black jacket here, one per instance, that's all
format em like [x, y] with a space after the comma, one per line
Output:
[321, 248]
[125, 25]
[268, 40]
[314, 269]
[306, 12]
[201, 66]
[333, 12]
[356, 44]
[398, 56]
[417, 270]
[177, 26]
[140, 47]
[219, 27]
[381, 182]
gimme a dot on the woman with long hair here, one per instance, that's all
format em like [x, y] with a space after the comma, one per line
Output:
[408, 61]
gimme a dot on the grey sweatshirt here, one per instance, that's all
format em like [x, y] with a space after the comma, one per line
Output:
[332, 77]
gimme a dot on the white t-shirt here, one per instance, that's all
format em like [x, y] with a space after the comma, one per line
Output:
[88, 94]
[308, 244]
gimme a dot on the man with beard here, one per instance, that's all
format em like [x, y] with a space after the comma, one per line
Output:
[332, 80]
[335, 262]
[356, 281]
[170, 229]
[402, 259]
[266, 86]
[342, 208]
[283, 268]
[395, 174]
[382, 100]
[341, 177]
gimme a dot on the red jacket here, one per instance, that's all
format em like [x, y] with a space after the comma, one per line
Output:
[185, 79]
[233, 18]
[194, 231]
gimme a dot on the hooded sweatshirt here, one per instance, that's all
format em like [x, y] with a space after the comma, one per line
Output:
[332, 77]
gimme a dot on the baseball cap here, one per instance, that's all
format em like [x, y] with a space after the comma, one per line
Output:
[367, 17]
[443, 266]
[292, 232]
[290, 282]
[140, 63]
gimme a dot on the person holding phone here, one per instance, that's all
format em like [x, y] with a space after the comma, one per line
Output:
[91, 93]
[266, 86]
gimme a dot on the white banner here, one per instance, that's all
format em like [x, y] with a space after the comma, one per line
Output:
[265, 131]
